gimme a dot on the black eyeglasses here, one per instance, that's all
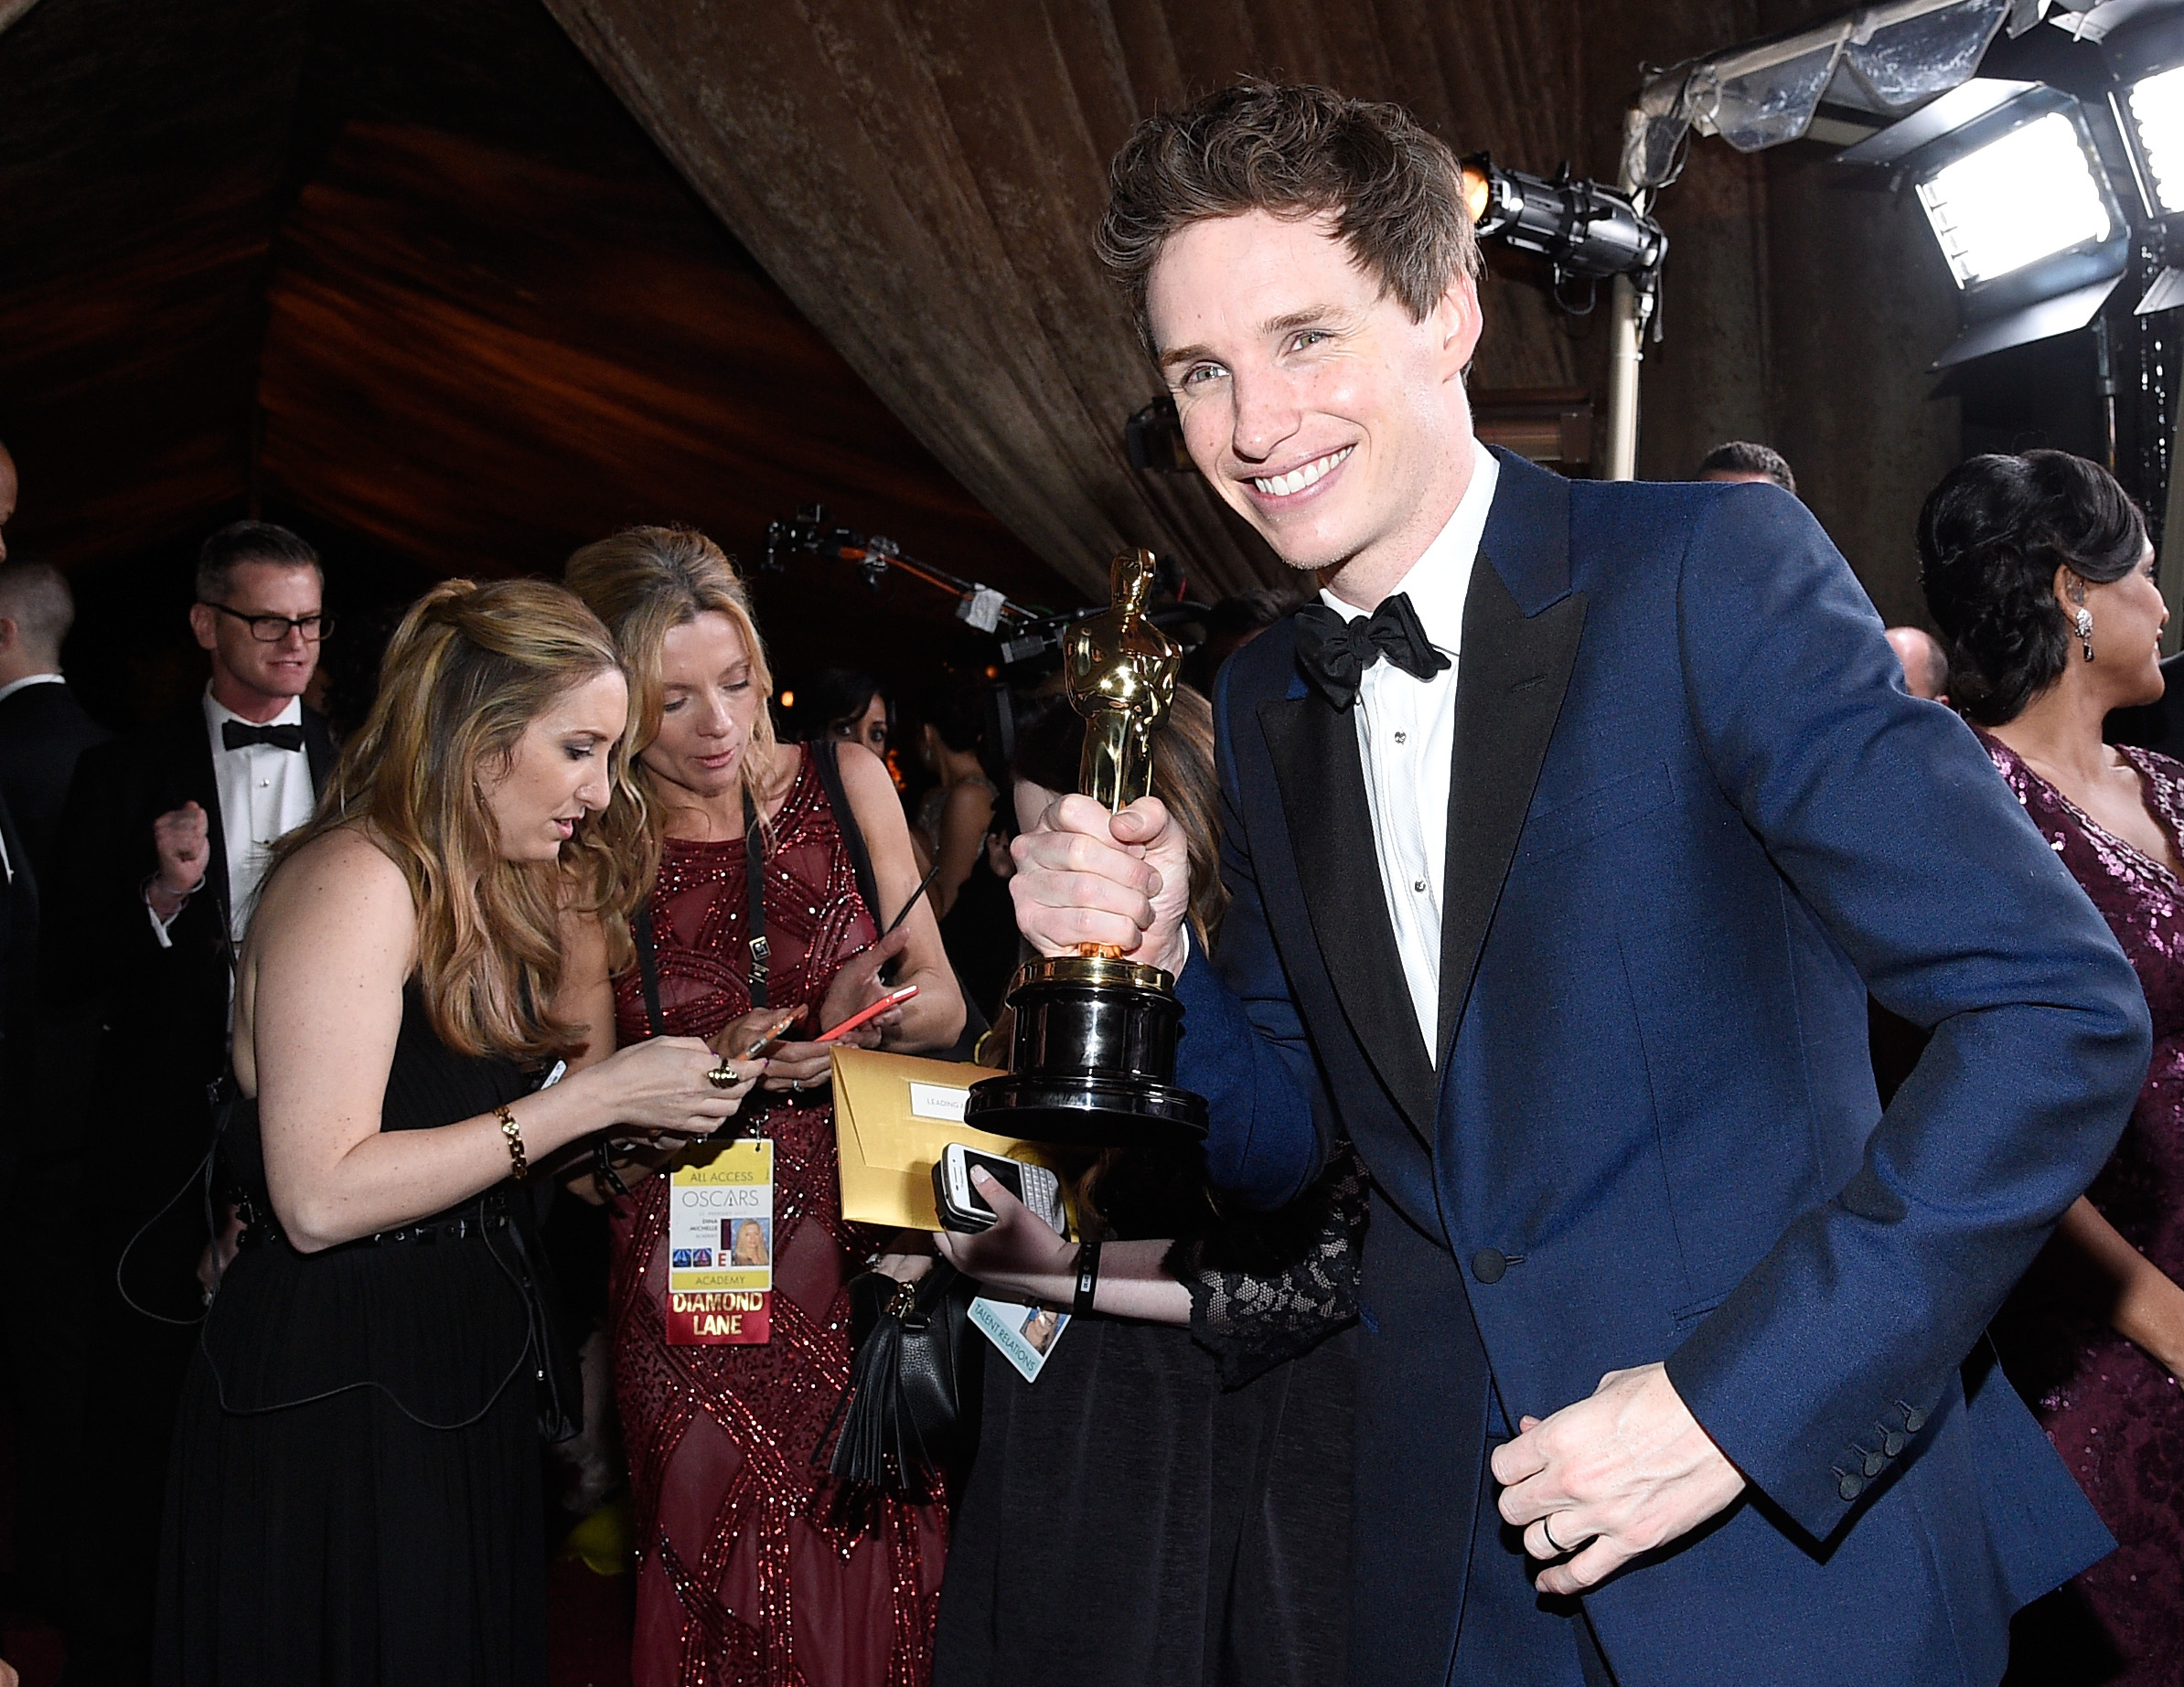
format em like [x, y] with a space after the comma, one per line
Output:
[272, 629]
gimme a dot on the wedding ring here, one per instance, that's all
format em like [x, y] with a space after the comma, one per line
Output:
[722, 1076]
[1546, 1527]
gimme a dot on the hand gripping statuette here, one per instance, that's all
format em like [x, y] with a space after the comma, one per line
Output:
[1093, 1057]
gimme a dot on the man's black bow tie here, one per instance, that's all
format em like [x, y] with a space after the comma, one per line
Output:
[237, 735]
[1336, 653]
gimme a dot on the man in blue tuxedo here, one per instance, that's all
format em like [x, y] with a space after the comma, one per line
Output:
[1567, 835]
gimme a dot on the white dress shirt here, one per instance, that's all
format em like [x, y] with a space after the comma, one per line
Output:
[1406, 737]
[13, 685]
[263, 793]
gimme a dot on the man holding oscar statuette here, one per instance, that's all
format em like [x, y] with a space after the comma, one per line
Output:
[1092, 1057]
[1566, 834]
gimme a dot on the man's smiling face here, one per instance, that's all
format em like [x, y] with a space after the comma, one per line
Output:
[1329, 419]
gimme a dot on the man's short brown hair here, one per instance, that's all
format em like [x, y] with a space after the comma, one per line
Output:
[250, 541]
[1395, 191]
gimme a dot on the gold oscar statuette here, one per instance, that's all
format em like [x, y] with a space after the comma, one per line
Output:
[1093, 1057]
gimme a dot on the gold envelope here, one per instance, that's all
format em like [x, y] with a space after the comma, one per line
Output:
[888, 1145]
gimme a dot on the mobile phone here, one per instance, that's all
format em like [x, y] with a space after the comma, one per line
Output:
[893, 999]
[774, 1027]
[960, 1205]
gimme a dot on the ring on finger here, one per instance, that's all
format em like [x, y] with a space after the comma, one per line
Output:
[1546, 1528]
[722, 1076]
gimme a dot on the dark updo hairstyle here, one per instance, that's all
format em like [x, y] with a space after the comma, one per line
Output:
[833, 700]
[1991, 536]
[957, 712]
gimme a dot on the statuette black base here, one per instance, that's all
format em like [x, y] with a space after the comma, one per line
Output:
[1092, 1059]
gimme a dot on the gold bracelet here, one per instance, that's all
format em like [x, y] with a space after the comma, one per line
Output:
[513, 1133]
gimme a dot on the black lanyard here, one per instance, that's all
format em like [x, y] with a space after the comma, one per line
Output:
[754, 889]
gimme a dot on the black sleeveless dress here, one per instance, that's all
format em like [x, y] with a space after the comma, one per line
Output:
[354, 1496]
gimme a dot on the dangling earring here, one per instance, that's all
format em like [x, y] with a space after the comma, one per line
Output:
[2081, 621]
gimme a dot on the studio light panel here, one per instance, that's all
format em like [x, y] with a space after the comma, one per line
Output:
[2025, 196]
[2157, 107]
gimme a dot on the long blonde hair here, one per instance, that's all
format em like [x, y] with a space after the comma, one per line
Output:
[642, 582]
[470, 667]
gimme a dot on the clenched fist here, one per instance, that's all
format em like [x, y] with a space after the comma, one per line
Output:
[1120, 880]
[183, 838]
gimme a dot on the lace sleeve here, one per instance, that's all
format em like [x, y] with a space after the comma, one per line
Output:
[1267, 1287]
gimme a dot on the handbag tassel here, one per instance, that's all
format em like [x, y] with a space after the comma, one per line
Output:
[879, 1446]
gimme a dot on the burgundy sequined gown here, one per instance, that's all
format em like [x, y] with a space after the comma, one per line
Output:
[2113, 1412]
[745, 1575]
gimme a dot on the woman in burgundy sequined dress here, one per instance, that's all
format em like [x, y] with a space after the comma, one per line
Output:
[748, 1575]
[2038, 570]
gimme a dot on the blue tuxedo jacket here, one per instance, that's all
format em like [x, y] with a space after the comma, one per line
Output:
[1694, 818]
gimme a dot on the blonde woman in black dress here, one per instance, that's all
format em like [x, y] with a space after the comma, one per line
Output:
[355, 1493]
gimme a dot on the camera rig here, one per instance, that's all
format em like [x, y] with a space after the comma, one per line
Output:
[876, 555]
[1030, 639]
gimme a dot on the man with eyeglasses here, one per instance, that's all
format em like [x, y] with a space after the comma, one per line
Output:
[260, 613]
[163, 843]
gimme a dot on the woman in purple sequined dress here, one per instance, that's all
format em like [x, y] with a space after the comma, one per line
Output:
[2038, 570]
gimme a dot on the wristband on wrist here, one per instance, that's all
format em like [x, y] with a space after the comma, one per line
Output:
[512, 1133]
[1087, 1277]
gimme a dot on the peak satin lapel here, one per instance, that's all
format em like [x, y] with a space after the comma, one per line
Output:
[199, 781]
[1316, 764]
[1509, 685]
[318, 749]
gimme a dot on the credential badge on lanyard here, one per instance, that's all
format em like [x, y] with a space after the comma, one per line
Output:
[720, 1245]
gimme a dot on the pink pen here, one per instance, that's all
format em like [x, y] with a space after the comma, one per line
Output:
[893, 999]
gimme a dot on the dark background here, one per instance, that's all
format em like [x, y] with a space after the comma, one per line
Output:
[406, 275]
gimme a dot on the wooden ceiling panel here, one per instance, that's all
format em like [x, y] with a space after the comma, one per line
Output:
[126, 388]
[480, 359]
[141, 155]
[405, 273]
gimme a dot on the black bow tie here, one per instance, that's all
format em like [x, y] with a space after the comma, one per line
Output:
[1336, 653]
[236, 735]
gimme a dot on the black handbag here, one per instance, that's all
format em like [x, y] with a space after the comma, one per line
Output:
[909, 1413]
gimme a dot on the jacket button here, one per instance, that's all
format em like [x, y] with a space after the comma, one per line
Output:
[1849, 1484]
[1914, 1420]
[1489, 1263]
[1893, 1442]
[1874, 1462]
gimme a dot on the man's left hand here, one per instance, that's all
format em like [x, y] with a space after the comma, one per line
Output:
[1620, 1474]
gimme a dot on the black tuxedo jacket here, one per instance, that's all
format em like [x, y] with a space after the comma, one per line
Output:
[163, 1011]
[18, 927]
[43, 731]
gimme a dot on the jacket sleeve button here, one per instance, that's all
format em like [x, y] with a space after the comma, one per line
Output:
[1849, 1484]
[1893, 1442]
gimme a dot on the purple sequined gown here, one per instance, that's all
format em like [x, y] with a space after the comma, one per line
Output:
[2113, 1412]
